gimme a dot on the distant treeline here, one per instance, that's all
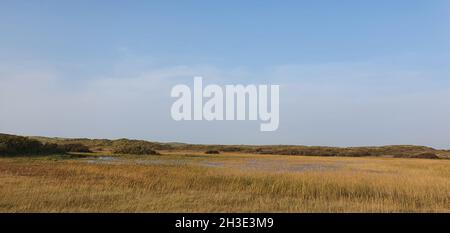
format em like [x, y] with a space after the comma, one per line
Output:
[12, 145]
[19, 145]
[119, 146]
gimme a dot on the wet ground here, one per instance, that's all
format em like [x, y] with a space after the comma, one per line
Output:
[244, 164]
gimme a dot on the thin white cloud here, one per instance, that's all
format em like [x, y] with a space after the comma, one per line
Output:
[344, 104]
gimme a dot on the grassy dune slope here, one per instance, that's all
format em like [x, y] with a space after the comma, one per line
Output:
[403, 151]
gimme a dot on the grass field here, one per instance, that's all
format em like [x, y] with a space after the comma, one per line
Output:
[227, 182]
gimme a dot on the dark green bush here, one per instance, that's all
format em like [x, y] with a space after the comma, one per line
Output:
[75, 147]
[212, 152]
[425, 155]
[18, 145]
[125, 146]
[231, 149]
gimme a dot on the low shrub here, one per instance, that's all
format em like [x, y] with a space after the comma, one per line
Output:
[212, 152]
[425, 155]
[231, 149]
[134, 148]
[75, 147]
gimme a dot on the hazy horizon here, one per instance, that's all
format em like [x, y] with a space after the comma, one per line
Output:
[350, 73]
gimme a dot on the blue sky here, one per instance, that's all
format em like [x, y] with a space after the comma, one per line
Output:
[253, 33]
[351, 72]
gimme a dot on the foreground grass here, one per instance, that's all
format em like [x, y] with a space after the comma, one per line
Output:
[224, 183]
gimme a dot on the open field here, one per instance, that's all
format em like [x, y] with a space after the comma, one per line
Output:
[190, 181]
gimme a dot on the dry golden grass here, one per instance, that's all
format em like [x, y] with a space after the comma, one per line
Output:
[224, 183]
